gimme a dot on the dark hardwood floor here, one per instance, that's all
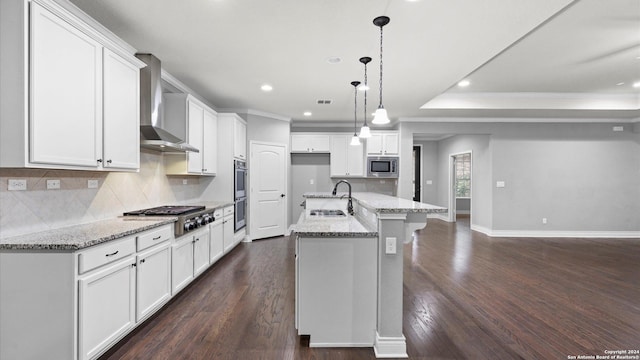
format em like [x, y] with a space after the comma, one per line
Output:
[466, 296]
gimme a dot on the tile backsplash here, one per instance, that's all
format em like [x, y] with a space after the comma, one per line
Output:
[38, 209]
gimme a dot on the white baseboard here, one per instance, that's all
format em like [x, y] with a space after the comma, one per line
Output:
[556, 233]
[442, 217]
[390, 347]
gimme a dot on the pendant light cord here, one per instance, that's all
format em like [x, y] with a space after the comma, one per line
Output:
[380, 66]
[365, 94]
[355, 110]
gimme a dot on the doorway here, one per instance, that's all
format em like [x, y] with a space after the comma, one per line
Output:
[417, 173]
[460, 185]
[268, 189]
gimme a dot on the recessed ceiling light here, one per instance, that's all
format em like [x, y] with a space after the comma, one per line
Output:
[334, 60]
[464, 83]
[636, 84]
[266, 87]
[620, 83]
[307, 113]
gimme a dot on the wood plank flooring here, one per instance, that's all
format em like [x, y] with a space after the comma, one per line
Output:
[466, 296]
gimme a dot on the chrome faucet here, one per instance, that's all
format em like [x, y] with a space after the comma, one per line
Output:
[350, 202]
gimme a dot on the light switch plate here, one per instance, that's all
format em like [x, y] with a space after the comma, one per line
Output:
[500, 184]
[429, 182]
[390, 246]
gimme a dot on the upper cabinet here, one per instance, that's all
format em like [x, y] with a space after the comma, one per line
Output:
[187, 117]
[346, 159]
[310, 143]
[232, 135]
[69, 101]
[383, 143]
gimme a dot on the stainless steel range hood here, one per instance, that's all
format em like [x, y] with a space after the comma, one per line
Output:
[153, 133]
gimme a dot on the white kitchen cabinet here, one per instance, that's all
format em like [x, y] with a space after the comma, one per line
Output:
[216, 237]
[66, 92]
[190, 257]
[200, 251]
[310, 143]
[240, 139]
[383, 143]
[69, 97]
[153, 279]
[228, 238]
[106, 302]
[121, 113]
[181, 263]
[195, 123]
[346, 160]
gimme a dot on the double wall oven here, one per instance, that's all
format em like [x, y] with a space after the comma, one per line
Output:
[240, 194]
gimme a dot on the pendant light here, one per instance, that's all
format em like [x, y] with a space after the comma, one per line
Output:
[365, 132]
[380, 117]
[355, 140]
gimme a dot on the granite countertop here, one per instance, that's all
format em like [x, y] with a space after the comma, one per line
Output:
[85, 235]
[331, 226]
[383, 203]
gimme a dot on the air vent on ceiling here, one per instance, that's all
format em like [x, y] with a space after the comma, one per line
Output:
[324, 102]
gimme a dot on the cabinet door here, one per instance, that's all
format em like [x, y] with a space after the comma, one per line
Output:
[300, 143]
[106, 306]
[390, 144]
[216, 245]
[355, 160]
[240, 140]
[374, 144]
[153, 279]
[200, 251]
[121, 115]
[210, 143]
[320, 143]
[181, 263]
[337, 158]
[195, 116]
[227, 228]
[65, 93]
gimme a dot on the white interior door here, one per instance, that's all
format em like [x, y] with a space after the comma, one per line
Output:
[268, 182]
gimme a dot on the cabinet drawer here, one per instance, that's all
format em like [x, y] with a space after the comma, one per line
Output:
[228, 210]
[103, 254]
[154, 237]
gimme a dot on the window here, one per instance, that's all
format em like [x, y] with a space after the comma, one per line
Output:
[463, 175]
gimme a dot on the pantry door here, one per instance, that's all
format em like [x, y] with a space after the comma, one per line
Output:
[268, 183]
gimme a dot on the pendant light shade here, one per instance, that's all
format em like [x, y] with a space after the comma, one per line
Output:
[365, 132]
[355, 140]
[380, 117]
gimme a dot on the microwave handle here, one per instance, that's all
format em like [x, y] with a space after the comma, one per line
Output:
[394, 164]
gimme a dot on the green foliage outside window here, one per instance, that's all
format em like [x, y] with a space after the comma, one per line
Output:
[463, 176]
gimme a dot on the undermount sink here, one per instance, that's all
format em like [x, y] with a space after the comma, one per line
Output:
[326, 212]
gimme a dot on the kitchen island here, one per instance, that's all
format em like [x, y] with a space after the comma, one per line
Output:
[349, 269]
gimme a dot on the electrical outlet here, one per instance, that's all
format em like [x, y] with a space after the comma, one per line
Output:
[390, 246]
[92, 184]
[185, 181]
[17, 184]
[311, 181]
[53, 184]
[544, 220]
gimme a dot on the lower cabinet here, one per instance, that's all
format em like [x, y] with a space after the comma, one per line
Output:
[216, 236]
[227, 229]
[153, 280]
[106, 301]
[190, 257]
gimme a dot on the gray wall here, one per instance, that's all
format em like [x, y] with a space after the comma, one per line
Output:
[580, 176]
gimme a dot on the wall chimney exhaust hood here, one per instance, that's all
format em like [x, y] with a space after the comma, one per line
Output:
[153, 133]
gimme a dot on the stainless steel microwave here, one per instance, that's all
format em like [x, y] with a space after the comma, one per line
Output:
[382, 166]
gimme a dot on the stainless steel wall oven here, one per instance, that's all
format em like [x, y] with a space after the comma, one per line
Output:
[240, 194]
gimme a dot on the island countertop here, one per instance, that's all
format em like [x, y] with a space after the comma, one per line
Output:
[380, 203]
[331, 226]
[81, 236]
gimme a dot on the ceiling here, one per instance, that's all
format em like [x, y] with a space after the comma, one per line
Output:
[526, 58]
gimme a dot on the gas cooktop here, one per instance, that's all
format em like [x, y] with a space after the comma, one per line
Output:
[169, 210]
